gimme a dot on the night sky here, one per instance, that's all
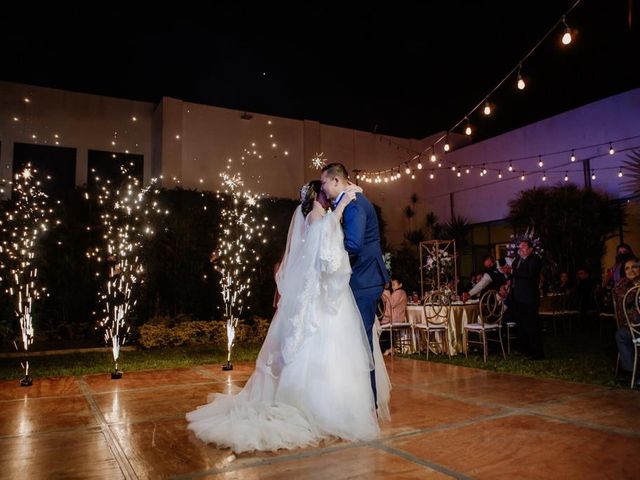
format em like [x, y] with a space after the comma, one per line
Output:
[403, 68]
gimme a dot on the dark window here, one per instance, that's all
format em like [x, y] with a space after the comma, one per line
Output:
[59, 163]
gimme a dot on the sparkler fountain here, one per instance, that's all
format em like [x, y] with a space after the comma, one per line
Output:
[126, 211]
[24, 222]
[240, 234]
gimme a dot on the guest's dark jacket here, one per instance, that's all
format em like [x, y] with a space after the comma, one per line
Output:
[526, 279]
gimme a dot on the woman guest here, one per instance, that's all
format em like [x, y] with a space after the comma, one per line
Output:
[395, 306]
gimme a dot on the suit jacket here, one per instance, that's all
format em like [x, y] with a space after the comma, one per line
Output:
[526, 279]
[362, 242]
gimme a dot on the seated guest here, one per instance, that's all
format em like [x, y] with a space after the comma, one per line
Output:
[395, 307]
[492, 279]
[616, 272]
[564, 285]
[585, 291]
[623, 335]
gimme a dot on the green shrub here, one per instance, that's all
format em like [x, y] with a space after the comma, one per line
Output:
[163, 332]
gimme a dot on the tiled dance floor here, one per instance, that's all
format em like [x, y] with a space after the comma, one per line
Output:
[447, 422]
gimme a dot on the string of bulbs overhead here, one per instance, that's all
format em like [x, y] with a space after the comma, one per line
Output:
[394, 173]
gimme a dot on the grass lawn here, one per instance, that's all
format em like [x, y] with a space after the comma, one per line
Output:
[584, 357]
[142, 359]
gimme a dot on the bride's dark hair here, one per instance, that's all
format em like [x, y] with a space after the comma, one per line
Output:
[308, 195]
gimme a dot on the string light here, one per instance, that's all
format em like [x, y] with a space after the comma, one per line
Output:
[419, 165]
[566, 176]
[573, 156]
[467, 130]
[611, 150]
[453, 168]
[407, 170]
[544, 177]
[520, 82]
[593, 174]
[540, 162]
[447, 147]
[566, 37]
[458, 174]
[487, 108]
[499, 173]
[431, 176]
[620, 173]
[484, 170]
[433, 157]
[466, 170]
[510, 167]
[413, 176]
[522, 177]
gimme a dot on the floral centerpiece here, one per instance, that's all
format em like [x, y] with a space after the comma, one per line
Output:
[514, 244]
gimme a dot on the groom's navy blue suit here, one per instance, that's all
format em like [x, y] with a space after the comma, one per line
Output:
[368, 273]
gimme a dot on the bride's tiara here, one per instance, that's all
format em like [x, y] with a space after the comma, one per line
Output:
[304, 191]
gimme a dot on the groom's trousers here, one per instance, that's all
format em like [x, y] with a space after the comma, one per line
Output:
[367, 300]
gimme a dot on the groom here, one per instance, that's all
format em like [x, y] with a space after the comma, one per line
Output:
[362, 242]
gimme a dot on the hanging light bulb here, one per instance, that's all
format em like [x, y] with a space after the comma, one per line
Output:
[540, 162]
[407, 170]
[453, 168]
[433, 157]
[510, 167]
[566, 176]
[566, 37]
[466, 170]
[446, 147]
[431, 175]
[487, 108]
[413, 177]
[499, 173]
[467, 130]
[439, 164]
[484, 170]
[611, 150]
[593, 174]
[522, 177]
[520, 82]
[620, 173]
[544, 177]
[386, 179]
[458, 174]
[419, 165]
[573, 156]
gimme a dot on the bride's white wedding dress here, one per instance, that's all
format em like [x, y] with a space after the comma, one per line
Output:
[312, 379]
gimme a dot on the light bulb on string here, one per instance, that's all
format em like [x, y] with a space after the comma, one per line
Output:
[573, 156]
[520, 82]
[484, 170]
[522, 177]
[413, 176]
[446, 147]
[453, 168]
[467, 130]
[431, 176]
[540, 162]
[593, 174]
[544, 177]
[510, 167]
[620, 173]
[466, 170]
[407, 170]
[611, 150]
[566, 37]
[487, 108]
[419, 165]
[433, 157]
[458, 174]
[566, 176]
[499, 173]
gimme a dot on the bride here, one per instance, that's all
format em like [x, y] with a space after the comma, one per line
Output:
[312, 376]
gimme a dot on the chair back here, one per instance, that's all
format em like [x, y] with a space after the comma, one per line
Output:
[383, 306]
[436, 308]
[631, 308]
[490, 308]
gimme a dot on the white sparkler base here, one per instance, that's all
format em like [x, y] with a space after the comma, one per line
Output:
[227, 366]
[27, 381]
